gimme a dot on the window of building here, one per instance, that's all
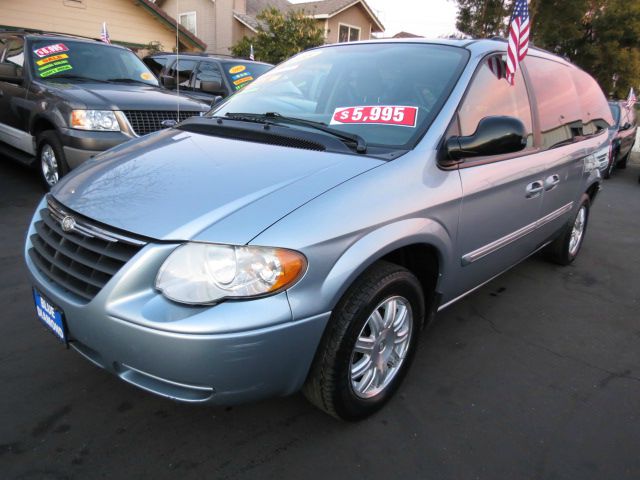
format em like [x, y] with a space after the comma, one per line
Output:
[348, 33]
[558, 102]
[188, 21]
[490, 95]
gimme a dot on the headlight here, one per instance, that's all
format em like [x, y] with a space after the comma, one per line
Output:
[101, 120]
[203, 273]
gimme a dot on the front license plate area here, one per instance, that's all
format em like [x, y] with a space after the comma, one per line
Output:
[51, 316]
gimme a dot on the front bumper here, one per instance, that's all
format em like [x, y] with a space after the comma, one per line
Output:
[80, 145]
[230, 353]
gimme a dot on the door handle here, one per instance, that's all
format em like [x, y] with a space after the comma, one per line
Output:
[534, 189]
[551, 182]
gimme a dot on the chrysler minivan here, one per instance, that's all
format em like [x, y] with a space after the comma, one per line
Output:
[301, 234]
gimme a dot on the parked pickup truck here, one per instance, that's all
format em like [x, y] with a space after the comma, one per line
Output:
[63, 99]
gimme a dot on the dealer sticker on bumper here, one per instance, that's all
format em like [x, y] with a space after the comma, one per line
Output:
[50, 316]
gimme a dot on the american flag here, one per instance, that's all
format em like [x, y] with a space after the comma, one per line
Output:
[251, 55]
[518, 38]
[104, 34]
[497, 66]
[631, 99]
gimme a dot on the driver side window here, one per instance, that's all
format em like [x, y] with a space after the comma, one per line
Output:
[490, 94]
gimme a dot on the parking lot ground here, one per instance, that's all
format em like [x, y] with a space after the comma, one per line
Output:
[534, 376]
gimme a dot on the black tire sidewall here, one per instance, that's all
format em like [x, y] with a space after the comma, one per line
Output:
[348, 404]
[49, 137]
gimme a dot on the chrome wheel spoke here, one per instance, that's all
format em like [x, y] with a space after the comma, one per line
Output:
[376, 323]
[361, 367]
[390, 313]
[365, 345]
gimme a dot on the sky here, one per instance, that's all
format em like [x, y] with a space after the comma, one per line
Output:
[428, 18]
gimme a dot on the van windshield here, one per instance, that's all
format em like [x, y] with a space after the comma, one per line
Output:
[387, 93]
[62, 58]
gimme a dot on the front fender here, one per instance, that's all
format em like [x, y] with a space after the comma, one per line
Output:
[359, 253]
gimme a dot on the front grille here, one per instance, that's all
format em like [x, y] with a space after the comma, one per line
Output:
[147, 121]
[82, 260]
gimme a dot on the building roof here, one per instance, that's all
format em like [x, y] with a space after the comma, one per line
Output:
[406, 35]
[317, 9]
[330, 8]
[185, 35]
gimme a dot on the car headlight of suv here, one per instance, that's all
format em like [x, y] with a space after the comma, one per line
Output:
[97, 120]
[205, 273]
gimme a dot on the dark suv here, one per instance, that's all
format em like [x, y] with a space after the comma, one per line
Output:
[204, 76]
[623, 134]
[63, 99]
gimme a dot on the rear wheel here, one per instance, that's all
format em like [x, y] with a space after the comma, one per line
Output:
[51, 163]
[566, 247]
[369, 343]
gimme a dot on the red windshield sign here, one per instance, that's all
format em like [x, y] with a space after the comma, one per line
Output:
[51, 50]
[377, 114]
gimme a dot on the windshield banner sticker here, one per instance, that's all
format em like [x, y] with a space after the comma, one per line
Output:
[53, 71]
[55, 58]
[237, 69]
[243, 80]
[378, 114]
[51, 50]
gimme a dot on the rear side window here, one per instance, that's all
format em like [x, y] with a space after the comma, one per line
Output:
[490, 95]
[208, 72]
[182, 70]
[596, 114]
[557, 101]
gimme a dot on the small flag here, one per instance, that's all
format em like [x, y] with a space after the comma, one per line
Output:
[251, 55]
[631, 99]
[104, 34]
[518, 38]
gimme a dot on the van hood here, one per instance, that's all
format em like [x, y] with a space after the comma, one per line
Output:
[124, 96]
[176, 185]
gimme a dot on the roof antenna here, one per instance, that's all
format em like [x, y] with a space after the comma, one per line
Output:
[178, 59]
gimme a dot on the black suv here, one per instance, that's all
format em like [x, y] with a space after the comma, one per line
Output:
[623, 134]
[63, 99]
[204, 76]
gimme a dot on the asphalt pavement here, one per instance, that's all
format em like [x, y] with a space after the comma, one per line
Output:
[534, 376]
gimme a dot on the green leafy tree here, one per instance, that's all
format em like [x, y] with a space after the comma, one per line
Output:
[600, 36]
[280, 36]
[482, 18]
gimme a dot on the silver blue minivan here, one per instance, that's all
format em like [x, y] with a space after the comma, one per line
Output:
[301, 234]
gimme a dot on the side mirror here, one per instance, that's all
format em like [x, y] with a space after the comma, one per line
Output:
[216, 100]
[211, 86]
[168, 81]
[494, 136]
[11, 73]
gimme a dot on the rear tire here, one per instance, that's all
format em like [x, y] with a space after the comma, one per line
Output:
[369, 343]
[50, 161]
[566, 247]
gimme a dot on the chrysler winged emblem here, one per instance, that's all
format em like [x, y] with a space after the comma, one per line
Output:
[68, 223]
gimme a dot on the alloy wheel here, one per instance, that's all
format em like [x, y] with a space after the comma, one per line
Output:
[578, 231]
[49, 165]
[381, 347]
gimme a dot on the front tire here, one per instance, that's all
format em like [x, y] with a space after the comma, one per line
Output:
[51, 162]
[369, 343]
[566, 247]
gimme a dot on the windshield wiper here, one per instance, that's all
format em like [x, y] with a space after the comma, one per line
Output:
[275, 117]
[126, 80]
[77, 77]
